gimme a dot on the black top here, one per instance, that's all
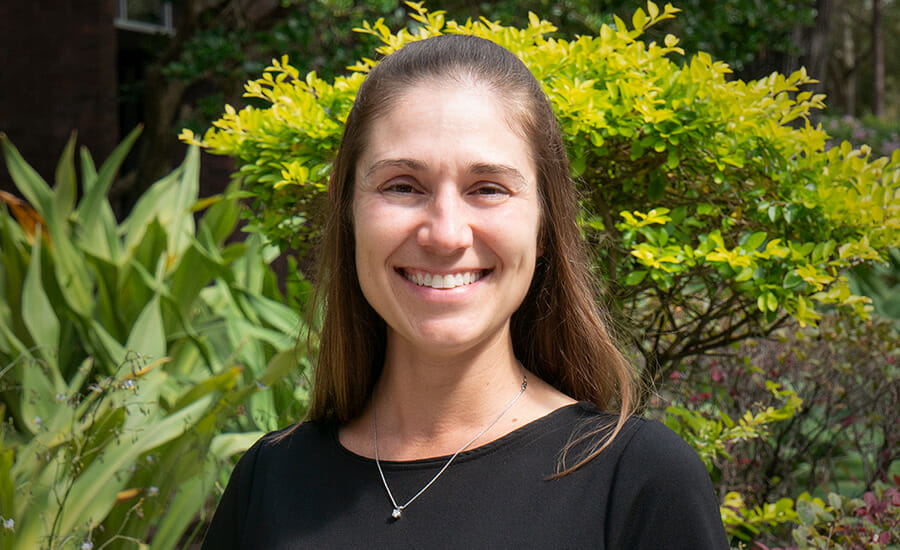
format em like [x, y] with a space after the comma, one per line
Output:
[647, 490]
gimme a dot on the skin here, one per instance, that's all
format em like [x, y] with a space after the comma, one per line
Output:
[446, 187]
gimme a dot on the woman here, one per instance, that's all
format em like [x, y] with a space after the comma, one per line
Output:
[464, 364]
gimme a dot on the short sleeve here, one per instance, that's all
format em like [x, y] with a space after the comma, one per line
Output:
[662, 496]
[226, 529]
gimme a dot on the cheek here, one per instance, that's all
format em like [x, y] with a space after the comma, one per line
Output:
[378, 232]
[517, 236]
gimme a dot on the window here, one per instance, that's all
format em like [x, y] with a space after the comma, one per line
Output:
[147, 16]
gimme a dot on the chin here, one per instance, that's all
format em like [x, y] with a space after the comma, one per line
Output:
[448, 339]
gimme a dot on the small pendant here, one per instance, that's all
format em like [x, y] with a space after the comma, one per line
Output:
[396, 513]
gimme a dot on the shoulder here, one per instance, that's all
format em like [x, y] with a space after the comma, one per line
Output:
[641, 442]
[291, 442]
[643, 451]
[263, 466]
[658, 490]
[662, 491]
[653, 447]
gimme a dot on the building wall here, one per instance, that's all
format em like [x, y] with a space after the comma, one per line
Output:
[57, 75]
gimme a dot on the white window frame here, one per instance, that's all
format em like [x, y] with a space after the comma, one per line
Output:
[123, 22]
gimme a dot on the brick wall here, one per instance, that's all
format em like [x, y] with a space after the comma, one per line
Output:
[57, 74]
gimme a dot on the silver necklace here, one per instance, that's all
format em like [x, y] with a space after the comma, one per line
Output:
[398, 508]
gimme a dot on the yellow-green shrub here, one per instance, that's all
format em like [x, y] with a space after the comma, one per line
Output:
[714, 210]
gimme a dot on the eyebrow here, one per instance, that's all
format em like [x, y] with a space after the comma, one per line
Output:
[409, 164]
[475, 168]
[489, 169]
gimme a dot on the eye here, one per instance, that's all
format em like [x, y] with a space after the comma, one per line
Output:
[400, 187]
[488, 189]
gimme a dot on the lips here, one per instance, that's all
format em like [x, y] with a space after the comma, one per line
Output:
[443, 281]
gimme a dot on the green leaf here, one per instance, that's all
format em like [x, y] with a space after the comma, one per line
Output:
[107, 347]
[176, 213]
[65, 191]
[756, 240]
[279, 366]
[792, 280]
[221, 219]
[635, 277]
[745, 274]
[223, 381]
[656, 189]
[147, 208]
[37, 311]
[193, 271]
[806, 513]
[181, 510]
[27, 180]
[227, 445]
[7, 487]
[639, 19]
[93, 493]
[148, 336]
[275, 313]
[88, 170]
[95, 194]
[579, 164]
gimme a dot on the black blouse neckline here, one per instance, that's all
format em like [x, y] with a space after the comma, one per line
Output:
[579, 408]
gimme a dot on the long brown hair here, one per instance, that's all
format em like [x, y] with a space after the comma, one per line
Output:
[559, 332]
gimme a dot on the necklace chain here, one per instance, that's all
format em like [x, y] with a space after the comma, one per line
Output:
[398, 508]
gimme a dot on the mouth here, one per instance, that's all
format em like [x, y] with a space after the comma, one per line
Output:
[443, 281]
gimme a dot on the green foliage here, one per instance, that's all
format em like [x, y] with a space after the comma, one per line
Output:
[232, 41]
[872, 521]
[745, 523]
[744, 33]
[714, 210]
[882, 135]
[712, 435]
[882, 284]
[135, 358]
[841, 444]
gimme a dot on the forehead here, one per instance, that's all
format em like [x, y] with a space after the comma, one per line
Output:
[446, 123]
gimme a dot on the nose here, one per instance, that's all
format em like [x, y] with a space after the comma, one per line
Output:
[446, 227]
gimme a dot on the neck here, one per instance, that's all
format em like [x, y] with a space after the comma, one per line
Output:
[429, 405]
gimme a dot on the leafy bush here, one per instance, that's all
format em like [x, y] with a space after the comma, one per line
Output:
[135, 358]
[881, 135]
[717, 215]
[714, 210]
[882, 284]
[872, 521]
[843, 442]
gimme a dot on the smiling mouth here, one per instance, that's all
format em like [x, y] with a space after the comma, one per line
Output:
[444, 281]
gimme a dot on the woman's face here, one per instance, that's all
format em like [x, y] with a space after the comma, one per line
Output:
[446, 217]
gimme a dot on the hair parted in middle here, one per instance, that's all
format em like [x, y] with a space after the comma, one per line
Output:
[559, 331]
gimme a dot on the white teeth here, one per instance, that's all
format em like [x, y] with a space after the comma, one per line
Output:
[444, 281]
